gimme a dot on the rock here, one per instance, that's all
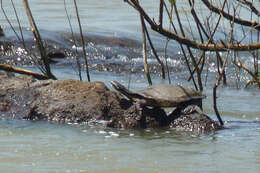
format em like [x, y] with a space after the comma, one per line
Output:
[15, 95]
[65, 101]
[195, 122]
[54, 56]
[73, 101]
[78, 102]
[131, 119]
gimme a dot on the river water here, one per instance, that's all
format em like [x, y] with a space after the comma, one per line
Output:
[44, 147]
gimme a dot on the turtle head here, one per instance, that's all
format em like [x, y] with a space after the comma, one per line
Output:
[123, 90]
[119, 87]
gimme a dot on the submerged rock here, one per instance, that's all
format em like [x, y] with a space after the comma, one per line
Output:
[73, 101]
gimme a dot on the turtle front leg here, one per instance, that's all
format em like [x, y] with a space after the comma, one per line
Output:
[139, 107]
[180, 108]
[175, 113]
[140, 111]
[199, 104]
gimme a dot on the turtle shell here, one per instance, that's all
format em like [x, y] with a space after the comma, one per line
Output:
[164, 95]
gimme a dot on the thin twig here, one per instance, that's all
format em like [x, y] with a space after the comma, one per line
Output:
[38, 40]
[161, 13]
[166, 62]
[146, 67]
[8, 21]
[188, 48]
[182, 48]
[215, 92]
[154, 51]
[82, 41]
[30, 54]
[192, 43]
[213, 8]
[74, 41]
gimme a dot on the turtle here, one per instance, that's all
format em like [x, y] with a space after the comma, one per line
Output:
[162, 96]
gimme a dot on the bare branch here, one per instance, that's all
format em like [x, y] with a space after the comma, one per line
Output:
[251, 6]
[82, 40]
[215, 9]
[182, 40]
[146, 67]
[9, 68]
[38, 41]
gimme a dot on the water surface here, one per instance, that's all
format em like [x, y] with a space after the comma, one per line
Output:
[27, 146]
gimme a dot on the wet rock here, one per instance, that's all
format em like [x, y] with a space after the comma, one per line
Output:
[15, 96]
[73, 101]
[67, 101]
[110, 67]
[54, 55]
[195, 122]
[153, 118]
[112, 40]
[78, 102]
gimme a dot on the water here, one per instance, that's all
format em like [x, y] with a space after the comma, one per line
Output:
[104, 16]
[43, 147]
[27, 146]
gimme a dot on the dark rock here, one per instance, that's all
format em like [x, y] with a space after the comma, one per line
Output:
[65, 101]
[54, 55]
[59, 55]
[196, 123]
[152, 118]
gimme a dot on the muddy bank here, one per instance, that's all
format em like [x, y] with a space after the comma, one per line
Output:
[72, 101]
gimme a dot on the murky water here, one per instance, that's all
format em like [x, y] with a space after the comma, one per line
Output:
[43, 147]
